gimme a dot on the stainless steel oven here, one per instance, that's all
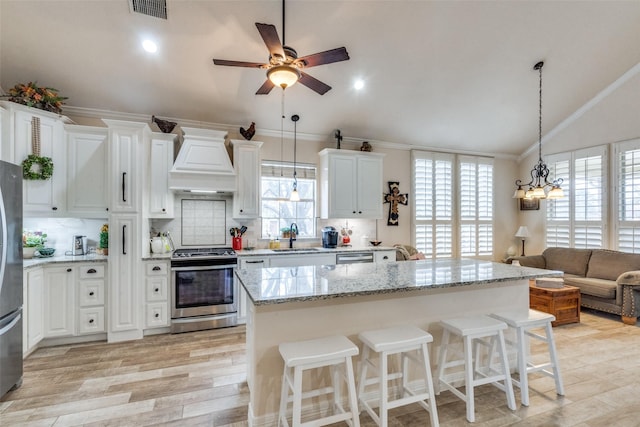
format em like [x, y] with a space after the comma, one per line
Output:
[204, 294]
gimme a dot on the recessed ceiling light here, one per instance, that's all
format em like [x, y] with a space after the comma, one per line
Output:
[359, 84]
[149, 46]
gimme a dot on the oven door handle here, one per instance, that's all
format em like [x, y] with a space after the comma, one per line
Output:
[204, 267]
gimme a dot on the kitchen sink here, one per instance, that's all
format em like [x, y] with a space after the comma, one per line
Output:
[294, 249]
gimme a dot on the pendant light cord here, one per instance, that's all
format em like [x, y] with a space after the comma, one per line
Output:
[540, 114]
[281, 132]
[283, 38]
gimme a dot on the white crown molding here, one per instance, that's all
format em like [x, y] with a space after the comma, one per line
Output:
[582, 110]
[351, 142]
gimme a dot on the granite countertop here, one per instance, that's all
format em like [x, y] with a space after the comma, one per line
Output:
[58, 259]
[289, 284]
[311, 250]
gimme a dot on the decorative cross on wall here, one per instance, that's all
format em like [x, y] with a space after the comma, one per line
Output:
[393, 198]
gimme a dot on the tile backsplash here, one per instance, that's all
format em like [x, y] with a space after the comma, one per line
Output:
[203, 222]
[60, 231]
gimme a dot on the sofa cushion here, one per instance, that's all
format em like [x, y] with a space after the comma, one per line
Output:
[596, 287]
[569, 260]
[609, 265]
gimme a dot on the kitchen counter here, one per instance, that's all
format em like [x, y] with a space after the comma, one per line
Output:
[36, 262]
[299, 303]
[309, 283]
[310, 250]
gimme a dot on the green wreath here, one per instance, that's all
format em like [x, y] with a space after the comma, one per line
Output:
[45, 167]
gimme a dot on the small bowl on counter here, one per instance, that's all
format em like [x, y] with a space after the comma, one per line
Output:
[44, 252]
[375, 242]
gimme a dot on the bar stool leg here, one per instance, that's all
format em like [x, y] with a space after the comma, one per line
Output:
[337, 394]
[508, 385]
[433, 412]
[442, 360]
[362, 377]
[523, 358]
[384, 389]
[554, 359]
[297, 397]
[469, 370]
[351, 389]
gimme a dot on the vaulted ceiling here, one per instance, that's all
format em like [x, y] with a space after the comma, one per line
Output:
[454, 75]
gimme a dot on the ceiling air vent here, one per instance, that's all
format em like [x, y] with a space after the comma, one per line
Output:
[155, 8]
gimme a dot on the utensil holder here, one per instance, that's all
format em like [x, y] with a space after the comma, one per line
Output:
[236, 243]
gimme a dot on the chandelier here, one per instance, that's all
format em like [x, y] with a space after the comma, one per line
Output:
[539, 187]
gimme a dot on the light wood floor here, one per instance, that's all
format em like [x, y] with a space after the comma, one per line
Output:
[198, 379]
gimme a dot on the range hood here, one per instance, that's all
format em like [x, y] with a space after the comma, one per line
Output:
[203, 163]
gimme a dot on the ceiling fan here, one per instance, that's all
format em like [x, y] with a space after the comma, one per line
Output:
[284, 68]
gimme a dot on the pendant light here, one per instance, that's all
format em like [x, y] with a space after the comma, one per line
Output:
[295, 196]
[537, 187]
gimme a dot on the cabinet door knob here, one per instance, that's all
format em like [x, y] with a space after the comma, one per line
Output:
[156, 290]
[55, 208]
[385, 257]
[156, 268]
[91, 293]
[91, 320]
[157, 315]
[241, 210]
[91, 271]
[359, 212]
[164, 210]
[69, 270]
[354, 212]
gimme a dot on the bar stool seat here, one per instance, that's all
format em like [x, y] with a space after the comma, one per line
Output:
[334, 352]
[406, 341]
[523, 321]
[474, 331]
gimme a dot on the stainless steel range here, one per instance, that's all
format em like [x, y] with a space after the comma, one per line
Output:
[204, 294]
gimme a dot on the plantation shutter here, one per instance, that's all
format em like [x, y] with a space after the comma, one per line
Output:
[628, 196]
[476, 206]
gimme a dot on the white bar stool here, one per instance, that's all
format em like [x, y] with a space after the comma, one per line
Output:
[386, 342]
[523, 322]
[474, 331]
[334, 352]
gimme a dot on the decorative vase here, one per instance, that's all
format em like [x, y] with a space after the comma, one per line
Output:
[27, 252]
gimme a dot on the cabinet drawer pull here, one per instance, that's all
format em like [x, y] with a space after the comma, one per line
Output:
[91, 271]
[124, 237]
[55, 208]
[156, 268]
[255, 262]
[91, 293]
[385, 257]
[69, 270]
[124, 177]
[91, 320]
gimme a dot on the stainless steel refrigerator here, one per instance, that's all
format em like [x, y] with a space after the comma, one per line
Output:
[10, 276]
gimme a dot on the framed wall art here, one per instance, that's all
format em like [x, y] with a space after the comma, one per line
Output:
[529, 204]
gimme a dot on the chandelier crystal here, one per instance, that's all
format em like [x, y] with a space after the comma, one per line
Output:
[539, 187]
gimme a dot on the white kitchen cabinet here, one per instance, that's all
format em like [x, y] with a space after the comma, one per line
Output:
[87, 174]
[33, 308]
[126, 140]
[41, 197]
[124, 297]
[161, 199]
[350, 184]
[384, 256]
[156, 294]
[91, 285]
[59, 301]
[246, 163]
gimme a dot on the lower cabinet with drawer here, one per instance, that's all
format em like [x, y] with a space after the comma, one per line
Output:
[156, 282]
[91, 298]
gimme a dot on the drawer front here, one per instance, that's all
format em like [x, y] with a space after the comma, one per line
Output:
[91, 320]
[540, 303]
[253, 262]
[91, 293]
[157, 314]
[92, 271]
[157, 268]
[157, 289]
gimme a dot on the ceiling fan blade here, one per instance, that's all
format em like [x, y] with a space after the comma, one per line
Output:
[271, 39]
[314, 84]
[326, 57]
[238, 63]
[265, 88]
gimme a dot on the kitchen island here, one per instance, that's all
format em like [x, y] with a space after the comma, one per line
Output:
[297, 303]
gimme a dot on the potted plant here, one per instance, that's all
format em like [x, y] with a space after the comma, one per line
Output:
[31, 242]
[103, 246]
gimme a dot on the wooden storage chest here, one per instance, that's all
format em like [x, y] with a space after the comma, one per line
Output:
[564, 303]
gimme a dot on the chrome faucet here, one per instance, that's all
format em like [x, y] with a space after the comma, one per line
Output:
[293, 231]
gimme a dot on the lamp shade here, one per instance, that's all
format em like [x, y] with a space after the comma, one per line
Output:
[295, 196]
[283, 76]
[523, 232]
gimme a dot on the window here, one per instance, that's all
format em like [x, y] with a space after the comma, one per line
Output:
[277, 211]
[444, 226]
[579, 219]
[628, 196]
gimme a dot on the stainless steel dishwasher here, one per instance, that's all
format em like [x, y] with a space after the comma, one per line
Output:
[354, 257]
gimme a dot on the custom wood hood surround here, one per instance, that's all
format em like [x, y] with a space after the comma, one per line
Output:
[203, 163]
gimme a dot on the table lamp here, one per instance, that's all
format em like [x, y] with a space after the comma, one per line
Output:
[523, 233]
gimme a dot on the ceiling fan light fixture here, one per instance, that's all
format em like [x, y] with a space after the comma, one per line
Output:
[283, 76]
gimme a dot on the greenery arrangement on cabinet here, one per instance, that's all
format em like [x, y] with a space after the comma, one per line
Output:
[31, 95]
[37, 167]
[33, 239]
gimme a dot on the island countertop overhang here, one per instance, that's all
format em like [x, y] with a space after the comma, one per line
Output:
[270, 286]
